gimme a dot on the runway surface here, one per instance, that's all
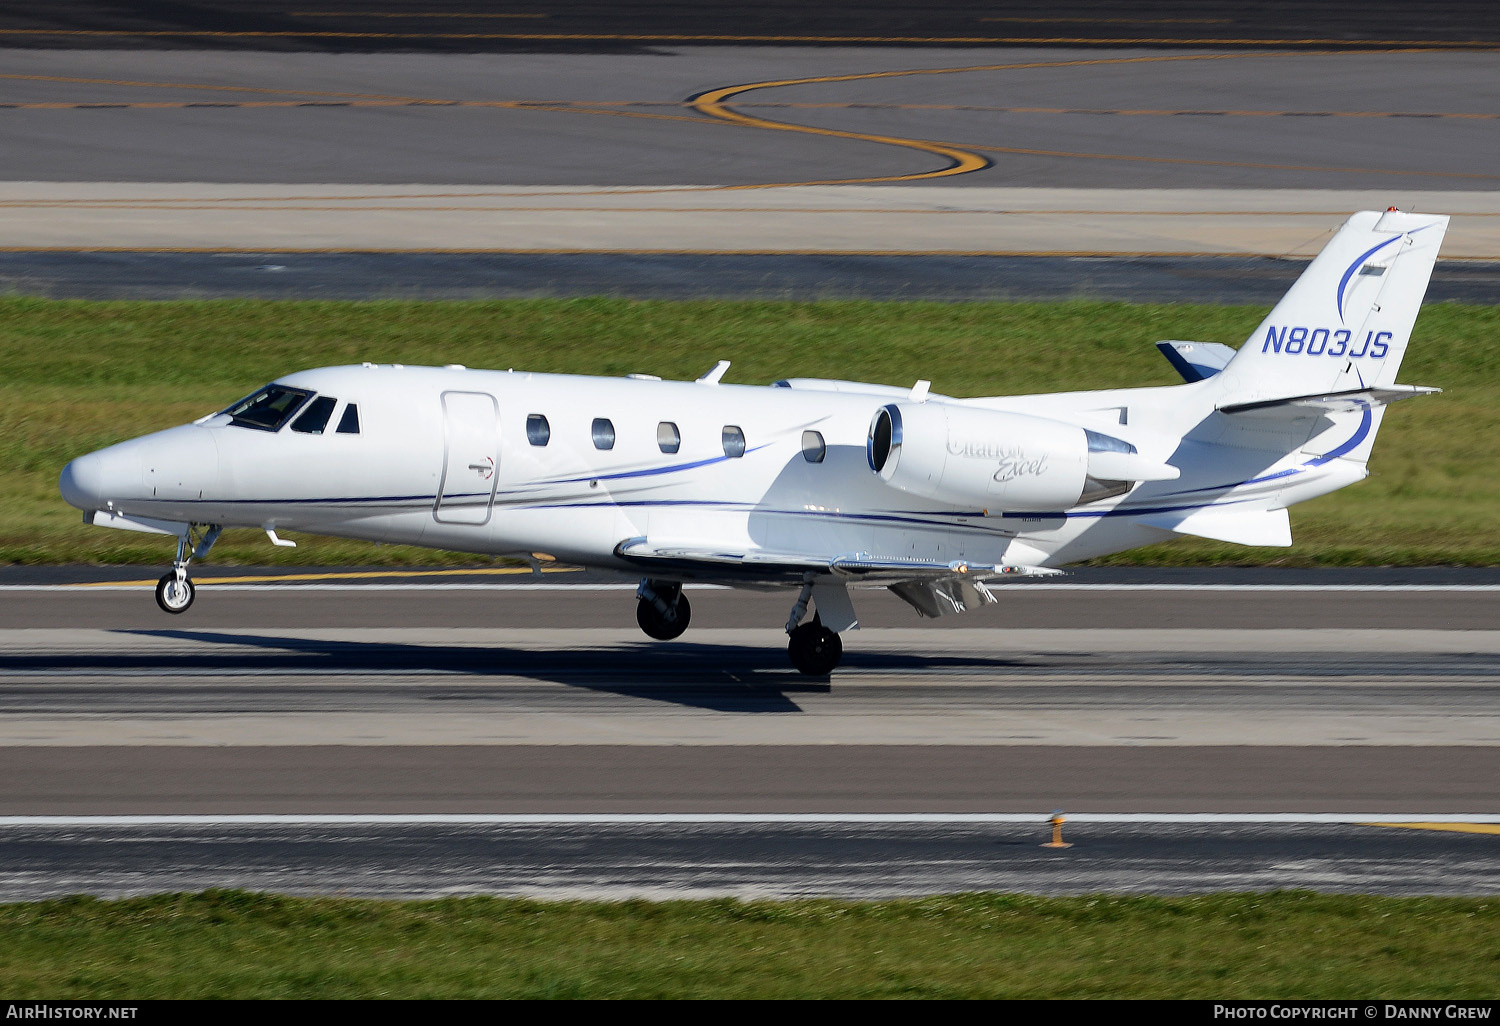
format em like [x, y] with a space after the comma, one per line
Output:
[1367, 694]
[968, 153]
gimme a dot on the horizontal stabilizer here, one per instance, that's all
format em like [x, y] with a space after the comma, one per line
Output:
[1243, 527]
[1196, 360]
[1334, 402]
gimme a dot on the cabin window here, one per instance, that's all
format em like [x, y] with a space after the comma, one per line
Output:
[349, 422]
[604, 433]
[668, 438]
[538, 431]
[268, 409]
[315, 418]
[734, 442]
[813, 447]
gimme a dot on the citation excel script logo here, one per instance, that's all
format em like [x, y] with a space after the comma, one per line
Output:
[1013, 461]
[1303, 341]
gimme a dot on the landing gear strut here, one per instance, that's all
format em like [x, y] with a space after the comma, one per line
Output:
[815, 649]
[174, 592]
[663, 611]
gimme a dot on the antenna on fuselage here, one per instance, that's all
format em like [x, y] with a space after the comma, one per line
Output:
[713, 376]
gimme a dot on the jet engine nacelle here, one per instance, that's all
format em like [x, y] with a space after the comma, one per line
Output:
[975, 458]
[1000, 461]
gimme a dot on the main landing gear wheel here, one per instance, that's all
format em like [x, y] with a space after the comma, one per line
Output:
[815, 650]
[663, 625]
[175, 595]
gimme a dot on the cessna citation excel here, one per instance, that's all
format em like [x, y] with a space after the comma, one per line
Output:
[809, 484]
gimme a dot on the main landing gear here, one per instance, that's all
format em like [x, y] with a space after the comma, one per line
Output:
[174, 592]
[815, 649]
[662, 610]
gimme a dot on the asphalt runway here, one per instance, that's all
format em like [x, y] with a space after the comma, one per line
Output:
[192, 129]
[1230, 714]
[451, 660]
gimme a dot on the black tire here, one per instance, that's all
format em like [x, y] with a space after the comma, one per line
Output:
[815, 650]
[659, 627]
[171, 598]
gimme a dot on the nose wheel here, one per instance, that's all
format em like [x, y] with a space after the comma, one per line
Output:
[175, 594]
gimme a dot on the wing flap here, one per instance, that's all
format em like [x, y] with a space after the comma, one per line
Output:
[934, 598]
[863, 566]
[699, 559]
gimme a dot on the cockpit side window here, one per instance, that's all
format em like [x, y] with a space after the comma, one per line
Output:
[268, 409]
[349, 422]
[314, 419]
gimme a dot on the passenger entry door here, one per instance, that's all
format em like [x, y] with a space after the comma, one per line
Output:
[471, 458]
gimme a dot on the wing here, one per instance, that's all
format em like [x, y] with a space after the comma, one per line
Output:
[931, 587]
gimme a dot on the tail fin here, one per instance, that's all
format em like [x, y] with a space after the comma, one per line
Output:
[1344, 325]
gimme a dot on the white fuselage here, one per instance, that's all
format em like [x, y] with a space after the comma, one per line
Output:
[442, 458]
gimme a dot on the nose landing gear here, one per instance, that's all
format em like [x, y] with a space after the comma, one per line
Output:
[174, 592]
[663, 611]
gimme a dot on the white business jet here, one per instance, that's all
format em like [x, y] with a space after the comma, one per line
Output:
[808, 483]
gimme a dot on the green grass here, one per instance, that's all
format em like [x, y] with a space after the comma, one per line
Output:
[80, 375]
[233, 944]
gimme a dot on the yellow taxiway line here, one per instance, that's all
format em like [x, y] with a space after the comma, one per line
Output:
[1462, 828]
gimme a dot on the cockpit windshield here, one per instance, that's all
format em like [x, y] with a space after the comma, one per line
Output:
[267, 409]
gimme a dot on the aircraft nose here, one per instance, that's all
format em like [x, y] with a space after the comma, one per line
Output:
[109, 475]
[82, 482]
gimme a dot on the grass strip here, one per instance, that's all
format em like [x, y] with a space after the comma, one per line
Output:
[79, 375]
[236, 944]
